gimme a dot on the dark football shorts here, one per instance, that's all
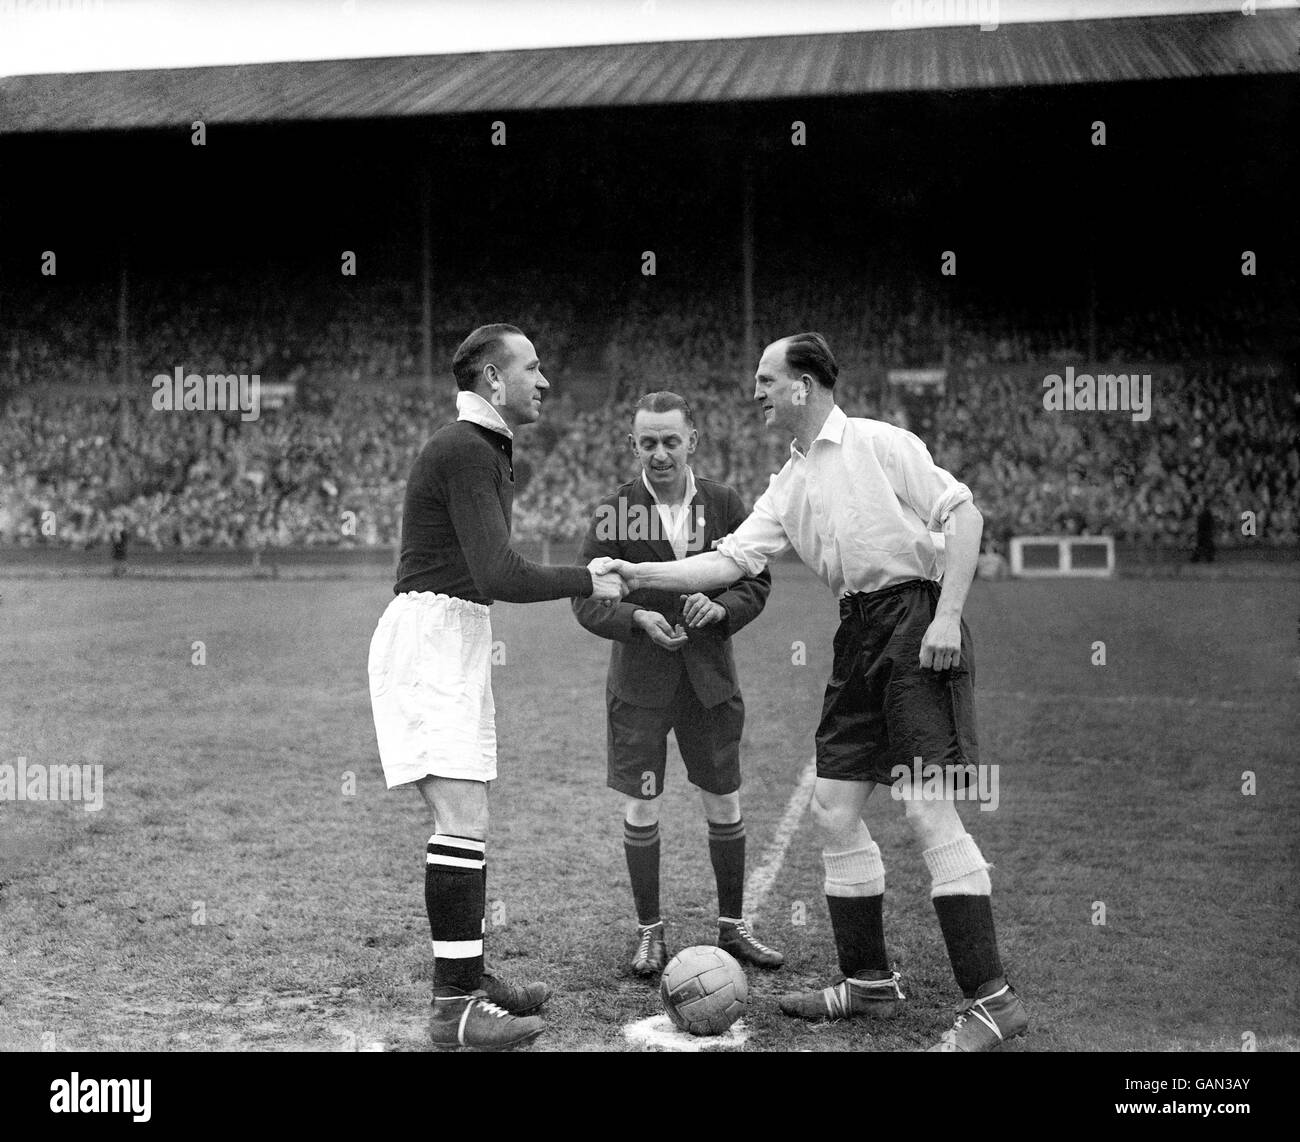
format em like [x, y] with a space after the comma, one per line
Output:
[708, 738]
[881, 708]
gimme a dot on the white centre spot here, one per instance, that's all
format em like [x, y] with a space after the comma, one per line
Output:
[658, 1032]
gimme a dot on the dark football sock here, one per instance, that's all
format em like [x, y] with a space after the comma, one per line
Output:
[967, 925]
[453, 898]
[859, 926]
[727, 851]
[641, 847]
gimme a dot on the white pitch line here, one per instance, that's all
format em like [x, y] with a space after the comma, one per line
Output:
[764, 876]
[1122, 700]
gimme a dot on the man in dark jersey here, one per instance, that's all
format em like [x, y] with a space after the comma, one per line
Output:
[430, 674]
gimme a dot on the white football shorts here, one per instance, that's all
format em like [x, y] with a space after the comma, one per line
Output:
[431, 689]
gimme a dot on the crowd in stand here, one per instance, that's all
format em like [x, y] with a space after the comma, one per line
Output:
[77, 467]
[1221, 436]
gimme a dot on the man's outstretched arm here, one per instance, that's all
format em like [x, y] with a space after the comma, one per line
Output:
[499, 571]
[746, 551]
[704, 572]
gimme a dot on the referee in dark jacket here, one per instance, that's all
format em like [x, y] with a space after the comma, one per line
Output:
[671, 668]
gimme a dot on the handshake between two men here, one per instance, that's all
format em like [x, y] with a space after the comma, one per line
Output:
[613, 579]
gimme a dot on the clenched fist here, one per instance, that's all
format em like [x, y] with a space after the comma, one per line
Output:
[941, 646]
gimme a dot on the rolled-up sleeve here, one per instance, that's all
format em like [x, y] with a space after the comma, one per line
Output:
[758, 540]
[930, 491]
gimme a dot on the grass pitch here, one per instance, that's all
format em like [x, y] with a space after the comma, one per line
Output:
[250, 884]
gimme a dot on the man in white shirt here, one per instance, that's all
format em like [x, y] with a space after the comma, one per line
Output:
[861, 502]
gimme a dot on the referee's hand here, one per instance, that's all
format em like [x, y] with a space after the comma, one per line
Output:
[658, 630]
[941, 646]
[698, 610]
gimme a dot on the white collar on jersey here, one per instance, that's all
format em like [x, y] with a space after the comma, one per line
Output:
[472, 407]
[832, 430]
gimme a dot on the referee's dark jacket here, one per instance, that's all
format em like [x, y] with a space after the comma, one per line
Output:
[641, 673]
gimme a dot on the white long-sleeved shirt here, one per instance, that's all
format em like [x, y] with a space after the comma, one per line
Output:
[860, 509]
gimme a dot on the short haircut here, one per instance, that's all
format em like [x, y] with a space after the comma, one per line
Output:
[474, 351]
[809, 353]
[664, 401]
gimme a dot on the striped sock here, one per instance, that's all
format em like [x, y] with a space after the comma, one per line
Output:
[727, 851]
[453, 897]
[641, 847]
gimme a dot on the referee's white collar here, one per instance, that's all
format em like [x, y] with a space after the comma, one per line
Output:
[472, 407]
[690, 488]
[832, 430]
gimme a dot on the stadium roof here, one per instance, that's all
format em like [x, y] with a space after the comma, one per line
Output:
[692, 71]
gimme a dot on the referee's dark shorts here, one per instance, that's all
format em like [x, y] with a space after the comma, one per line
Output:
[708, 738]
[881, 708]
